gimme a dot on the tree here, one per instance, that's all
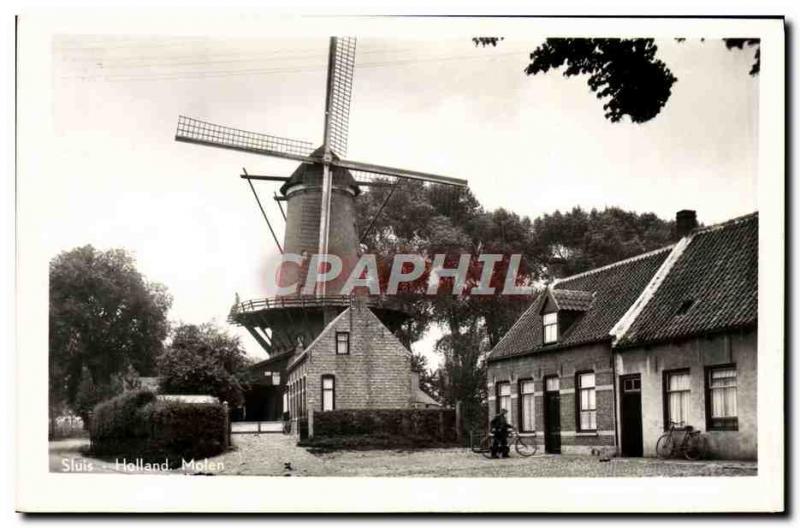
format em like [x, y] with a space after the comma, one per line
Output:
[575, 241]
[202, 359]
[105, 319]
[428, 378]
[623, 72]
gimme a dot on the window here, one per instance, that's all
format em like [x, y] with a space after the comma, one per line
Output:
[342, 343]
[328, 393]
[685, 306]
[587, 403]
[632, 384]
[526, 409]
[551, 384]
[721, 398]
[276, 378]
[550, 322]
[676, 385]
[504, 397]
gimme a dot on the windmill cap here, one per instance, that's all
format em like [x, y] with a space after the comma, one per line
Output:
[311, 174]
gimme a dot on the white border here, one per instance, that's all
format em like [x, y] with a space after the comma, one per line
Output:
[39, 490]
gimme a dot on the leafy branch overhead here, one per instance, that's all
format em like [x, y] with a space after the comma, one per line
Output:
[626, 71]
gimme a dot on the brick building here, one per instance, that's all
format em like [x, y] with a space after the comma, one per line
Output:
[604, 360]
[356, 362]
[691, 344]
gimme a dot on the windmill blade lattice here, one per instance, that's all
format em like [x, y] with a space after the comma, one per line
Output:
[195, 131]
[342, 60]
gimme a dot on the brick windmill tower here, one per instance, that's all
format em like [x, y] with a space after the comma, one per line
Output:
[320, 220]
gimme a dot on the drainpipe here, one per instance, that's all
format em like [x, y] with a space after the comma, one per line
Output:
[614, 396]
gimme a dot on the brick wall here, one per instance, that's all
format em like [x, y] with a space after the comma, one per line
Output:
[376, 374]
[697, 354]
[302, 232]
[565, 364]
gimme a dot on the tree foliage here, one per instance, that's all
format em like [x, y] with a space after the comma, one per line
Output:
[202, 359]
[106, 320]
[575, 241]
[624, 73]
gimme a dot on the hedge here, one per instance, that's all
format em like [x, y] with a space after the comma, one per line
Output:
[383, 428]
[136, 425]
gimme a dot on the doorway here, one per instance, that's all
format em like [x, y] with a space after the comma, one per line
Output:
[552, 415]
[631, 404]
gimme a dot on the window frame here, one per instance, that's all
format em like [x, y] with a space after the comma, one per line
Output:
[665, 393]
[523, 427]
[726, 423]
[545, 326]
[578, 409]
[498, 398]
[332, 389]
[347, 343]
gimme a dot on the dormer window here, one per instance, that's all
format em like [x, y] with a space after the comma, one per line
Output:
[550, 324]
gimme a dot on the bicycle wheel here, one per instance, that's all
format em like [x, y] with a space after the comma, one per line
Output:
[694, 448]
[525, 446]
[486, 446]
[665, 446]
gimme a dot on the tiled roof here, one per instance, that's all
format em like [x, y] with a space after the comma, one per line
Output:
[614, 288]
[576, 300]
[712, 286]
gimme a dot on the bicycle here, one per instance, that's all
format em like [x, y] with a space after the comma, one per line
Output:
[691, 446]
[525, 446]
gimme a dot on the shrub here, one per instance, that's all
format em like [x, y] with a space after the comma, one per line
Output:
[383, 428]
[185, 430]
[138, 425]
[117, 421]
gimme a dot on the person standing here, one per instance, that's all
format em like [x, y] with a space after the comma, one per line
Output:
[499, 428]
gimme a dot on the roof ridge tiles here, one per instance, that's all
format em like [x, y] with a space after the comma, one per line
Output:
[613, 264]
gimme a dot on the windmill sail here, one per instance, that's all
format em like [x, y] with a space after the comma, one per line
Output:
[341, 61]
[204, 133]
[366, 171]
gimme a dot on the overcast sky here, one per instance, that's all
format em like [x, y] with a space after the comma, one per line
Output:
[530, 144]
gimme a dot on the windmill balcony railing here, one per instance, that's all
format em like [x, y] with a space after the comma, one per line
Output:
[309, 301]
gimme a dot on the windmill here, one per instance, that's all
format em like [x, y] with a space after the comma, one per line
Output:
[330, 157]
[320, 217]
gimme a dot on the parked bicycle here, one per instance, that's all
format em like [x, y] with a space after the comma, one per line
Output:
[525, 446]
[691, 444]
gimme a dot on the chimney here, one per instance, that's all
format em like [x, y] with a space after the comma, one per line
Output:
[685, 221]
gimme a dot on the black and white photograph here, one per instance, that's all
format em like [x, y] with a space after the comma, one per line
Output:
[400, 264]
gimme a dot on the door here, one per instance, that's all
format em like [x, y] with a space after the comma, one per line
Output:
[631, 386]
[552, 416]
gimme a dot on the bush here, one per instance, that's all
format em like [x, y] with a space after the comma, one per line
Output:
[383, 428]
[138, 425]
[185, 430]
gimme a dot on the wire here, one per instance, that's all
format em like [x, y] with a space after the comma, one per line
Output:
[268, 71]
[380, 210]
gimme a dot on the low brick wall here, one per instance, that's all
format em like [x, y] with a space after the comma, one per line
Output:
[422, 426]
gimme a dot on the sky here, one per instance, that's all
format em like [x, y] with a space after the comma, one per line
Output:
[532, 145]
